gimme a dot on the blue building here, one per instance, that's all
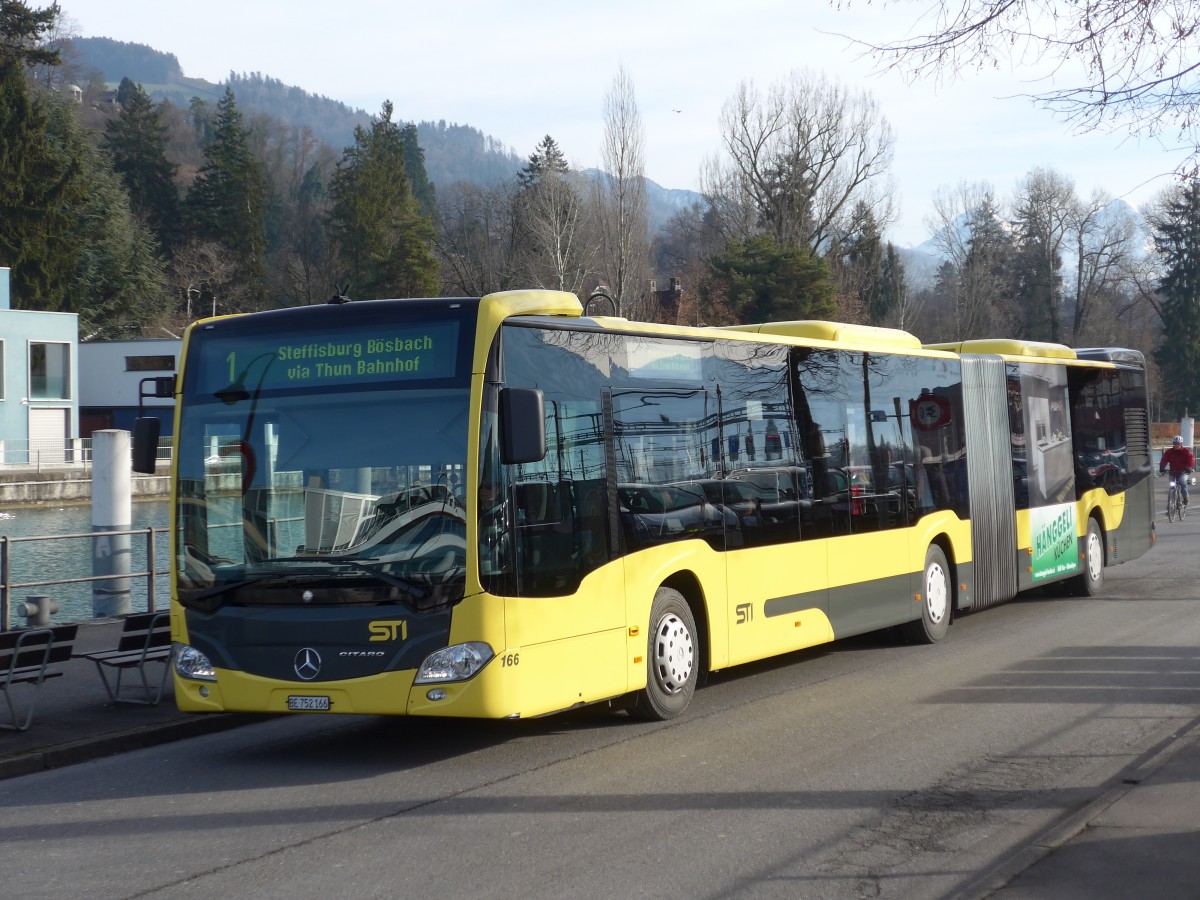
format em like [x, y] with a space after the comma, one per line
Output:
[39, 384]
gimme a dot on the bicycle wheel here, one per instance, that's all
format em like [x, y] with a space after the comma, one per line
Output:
[1171, 505]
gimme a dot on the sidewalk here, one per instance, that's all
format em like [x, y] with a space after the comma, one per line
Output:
[1141, 838]
[74, 720]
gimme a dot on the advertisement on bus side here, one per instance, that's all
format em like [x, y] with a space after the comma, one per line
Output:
[1055, 546]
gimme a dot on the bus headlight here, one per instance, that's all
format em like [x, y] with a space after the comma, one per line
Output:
[457, 663]
[191, 663]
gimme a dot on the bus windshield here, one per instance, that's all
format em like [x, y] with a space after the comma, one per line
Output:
[349, 485]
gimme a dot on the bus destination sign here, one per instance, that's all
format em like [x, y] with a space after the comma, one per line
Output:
[346, 358]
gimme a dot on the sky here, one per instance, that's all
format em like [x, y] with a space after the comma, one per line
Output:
[520, 70]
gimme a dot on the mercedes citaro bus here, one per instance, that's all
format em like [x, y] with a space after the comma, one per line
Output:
[503, 507]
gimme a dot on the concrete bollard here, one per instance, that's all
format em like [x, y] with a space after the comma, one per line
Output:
[37, 610]
[112, 510]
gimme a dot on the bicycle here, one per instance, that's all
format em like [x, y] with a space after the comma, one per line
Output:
[1176, 508]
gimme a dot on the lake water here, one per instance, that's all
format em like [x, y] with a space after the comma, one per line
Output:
[72, 557]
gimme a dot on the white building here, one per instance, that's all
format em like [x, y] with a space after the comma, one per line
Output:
[110, 376]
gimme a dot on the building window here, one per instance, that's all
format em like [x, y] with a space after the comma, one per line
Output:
[1, 370]
[49, 371]
[150, 364]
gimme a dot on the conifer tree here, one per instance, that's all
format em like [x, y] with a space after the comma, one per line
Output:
[34, 182]
[137, 141]
[545, 158]
[384, 242]
[766, 282]
[65, 224]
[888, 300]
[1177, 239]
[105, 264]
[418, 178]
[228, 201]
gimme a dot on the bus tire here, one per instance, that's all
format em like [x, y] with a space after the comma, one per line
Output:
[672, 658]
[1089, 582]
[937, 600]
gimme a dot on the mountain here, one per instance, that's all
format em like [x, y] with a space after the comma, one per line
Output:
[661, 202]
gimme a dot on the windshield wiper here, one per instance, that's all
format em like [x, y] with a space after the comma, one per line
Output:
[202, 599]
[361, 563]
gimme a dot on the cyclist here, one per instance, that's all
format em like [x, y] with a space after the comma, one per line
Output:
[1181, 461]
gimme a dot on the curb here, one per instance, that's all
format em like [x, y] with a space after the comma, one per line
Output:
[62, 755]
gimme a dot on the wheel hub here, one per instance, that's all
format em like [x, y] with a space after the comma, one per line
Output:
[936, 594]
[1094, 553]
[674, 654]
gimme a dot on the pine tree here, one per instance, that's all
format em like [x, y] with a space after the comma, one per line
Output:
[137, 141]
[546, 158]
[860, 265]
[765, 282]
[110, 273]
[35, 184]
[21, 29]
[228, 201]
[985, 276]
[418, 178]
[888, 299]
[1177, 240]
[66, 228]
[384, 242]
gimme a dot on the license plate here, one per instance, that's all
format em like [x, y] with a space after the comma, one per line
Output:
[310, 704]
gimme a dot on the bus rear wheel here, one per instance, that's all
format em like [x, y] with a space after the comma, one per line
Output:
[1089, 582]
[672, 659]
[937, 601]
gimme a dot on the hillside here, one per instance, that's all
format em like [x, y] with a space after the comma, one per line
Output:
[453, 152]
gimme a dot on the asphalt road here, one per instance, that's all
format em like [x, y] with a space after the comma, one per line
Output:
[866, 769]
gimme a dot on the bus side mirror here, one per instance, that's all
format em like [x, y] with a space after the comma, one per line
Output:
[522, 426]
[145, 444]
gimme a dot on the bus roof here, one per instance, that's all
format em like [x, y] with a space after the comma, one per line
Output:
[835, 332]
[1119, 355]
[1008, 347]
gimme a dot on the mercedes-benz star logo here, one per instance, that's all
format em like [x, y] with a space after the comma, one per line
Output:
[308, 664]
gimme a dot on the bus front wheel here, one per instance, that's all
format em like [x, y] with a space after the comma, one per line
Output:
[937, 600]
[672, 658]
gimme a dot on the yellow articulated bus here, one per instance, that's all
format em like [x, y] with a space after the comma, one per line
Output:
[503, 507]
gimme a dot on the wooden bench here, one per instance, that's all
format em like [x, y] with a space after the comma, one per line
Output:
[145, 638]
[29, 656]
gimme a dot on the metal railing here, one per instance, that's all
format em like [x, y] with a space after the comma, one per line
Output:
[71, 453]
[7, 585]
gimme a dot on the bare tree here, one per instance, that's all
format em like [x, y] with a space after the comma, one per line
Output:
[1104, 237]
[909, 309]
[475, 238]
[621, 201]
[304, 268]
[553, 250]
[201, 274]
[1139, 59]
[796, 161]
[1044, 206]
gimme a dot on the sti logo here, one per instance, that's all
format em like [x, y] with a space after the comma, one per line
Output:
[388, 630]
[745, 613]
